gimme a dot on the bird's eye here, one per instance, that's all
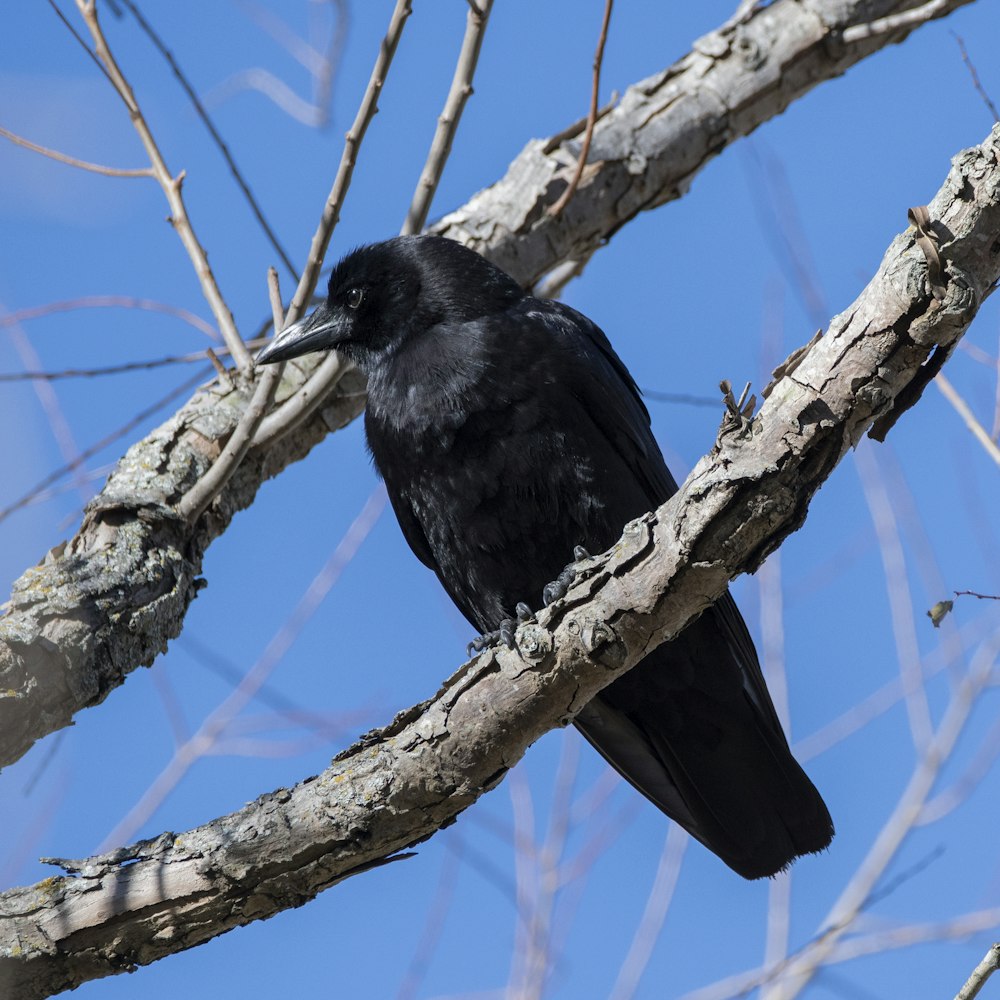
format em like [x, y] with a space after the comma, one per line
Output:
[355, 296]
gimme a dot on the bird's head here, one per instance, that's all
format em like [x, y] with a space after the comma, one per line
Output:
[384, 294]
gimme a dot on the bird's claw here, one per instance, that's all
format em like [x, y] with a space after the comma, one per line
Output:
[506, 633]
[555, 590]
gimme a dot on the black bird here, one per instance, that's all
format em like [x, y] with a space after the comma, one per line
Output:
[508, 432]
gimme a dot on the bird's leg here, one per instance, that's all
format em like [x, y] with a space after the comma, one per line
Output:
[558, 587]
[506, 633]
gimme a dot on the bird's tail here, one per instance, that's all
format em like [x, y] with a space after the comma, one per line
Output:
[692, 727]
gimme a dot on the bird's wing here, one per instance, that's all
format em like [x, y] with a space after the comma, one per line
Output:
[692, 726]
[607, 393]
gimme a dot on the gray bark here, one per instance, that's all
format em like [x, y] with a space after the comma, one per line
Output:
[401, 784]
[111, 598]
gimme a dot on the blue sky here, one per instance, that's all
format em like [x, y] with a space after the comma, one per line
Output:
[705, 288]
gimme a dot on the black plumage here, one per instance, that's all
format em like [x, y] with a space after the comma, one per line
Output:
[508, 432]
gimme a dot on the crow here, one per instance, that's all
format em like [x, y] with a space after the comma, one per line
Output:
[509, 435]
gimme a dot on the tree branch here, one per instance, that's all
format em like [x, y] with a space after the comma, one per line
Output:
[171, 187]
[460, 91]
[399, 785]
[982, 972]
[110, 599]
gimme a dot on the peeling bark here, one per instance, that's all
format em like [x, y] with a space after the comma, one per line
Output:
[399, 785]
[111, 598]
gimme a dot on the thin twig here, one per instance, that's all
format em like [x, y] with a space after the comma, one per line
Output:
[970, 66]
[526, 879]
[962, 409]
[331, 62]
[171, 187]
[434, 921]
[108, 302]
[126, 428]
[909, 935]
[274, 296]
[72, 161]
[321, 66]
[904, 20]
[779, 904]
[202, 113]
[904, 629]
[884, 698]
[574, 129]
[661, 894]
[352, 143]
[194, 503]
[591, 117]
[460, 91]
[982, 972]
[303, 403]
[83, 45]
[854, 898]
[125, 366]
[971, 778]
[299, 406]
[196, 500]
[61, 428]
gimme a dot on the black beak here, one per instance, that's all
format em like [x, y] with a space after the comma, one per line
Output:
[317, 332]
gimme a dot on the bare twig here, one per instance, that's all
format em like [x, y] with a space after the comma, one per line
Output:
[855, 896]
[779, 905]
[982, 972]
[107, 302]
[292, 712]
[588, 136]
[883, 698]
[555, 140]
[171, 187]
[194, 503]
[962, 409]
[526, 879]
[434, 921]
[976, 82]
[352, 143]
[904, 20]
[969, 780]
[126, 366]
[321, 66]
[309, 395]
[62, 431]
[661, 894]
[458, 94]
[973, 593]
[900, 599]
[964, 926]
[274, 296]
[910, 934]
[299, 406]
[83, 45]
[330, 62]
[202, 113]
[72, 161]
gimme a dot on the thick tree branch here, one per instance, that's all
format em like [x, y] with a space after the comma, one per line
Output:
[401, 784]
[110, 599]
[649, 149]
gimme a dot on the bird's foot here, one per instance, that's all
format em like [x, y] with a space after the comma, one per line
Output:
[557, 588]
[506, 633]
